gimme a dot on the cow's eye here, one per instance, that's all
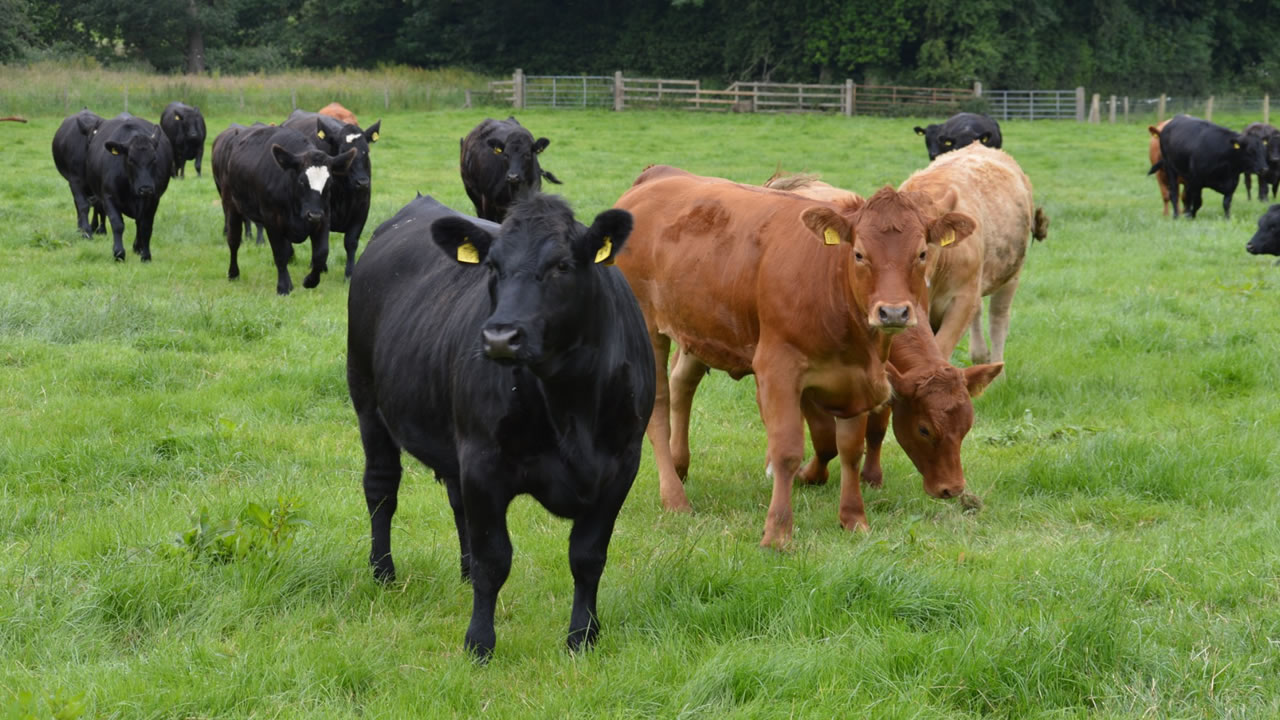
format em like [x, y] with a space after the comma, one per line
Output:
[923, 255]
[564, 266]
[924, 431]
[858, 256]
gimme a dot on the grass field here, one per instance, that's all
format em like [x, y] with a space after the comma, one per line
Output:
[1126, 562]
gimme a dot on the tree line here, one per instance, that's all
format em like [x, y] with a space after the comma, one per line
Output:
[1121, 46]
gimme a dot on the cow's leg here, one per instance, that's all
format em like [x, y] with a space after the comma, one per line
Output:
[686, 373]
[1164, 190]
[670, 489]
[486, 511]
[822, 435]
[80, 195]
[1194, 199]
[778, 394]
[964, 307]
[351, 243]
[98, 221]
[319, 257]
[588, 550]
[142, 227]
[849, 435]
[281, 251]
[199, 158]
[234, 223]
[1171, 184]
[117, 229]
[382, 472]
[454, 488]
[1226, 198]
[1000, 311]
[1248, 187]
[877, 428]
[977, 341]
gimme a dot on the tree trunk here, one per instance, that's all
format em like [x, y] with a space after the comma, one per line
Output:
[195, 41]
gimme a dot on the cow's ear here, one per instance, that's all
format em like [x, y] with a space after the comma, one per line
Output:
[985, 138]
[549, 177]
[461, 240]
[87, 125]
[1155, 131]
[978, 377]
[949, 229]
[341, 164]
[371, 134]
[606, 237]
[897, 381]
[116, 148]
[827, 224]
[497, 145]
[540, 144]
[919, 130]
[285, 159]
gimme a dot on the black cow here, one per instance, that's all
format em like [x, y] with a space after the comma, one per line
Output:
[499, 163]
[1267, 240]
[1204, 155]
[958, 131]
[70, 150]
[509, 360]
[184, 126]
[1270, 138]
[127, 172]
[349, 200]
[276, 178]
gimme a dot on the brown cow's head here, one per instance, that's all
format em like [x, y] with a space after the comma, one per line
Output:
[892, 235]
[932, 412]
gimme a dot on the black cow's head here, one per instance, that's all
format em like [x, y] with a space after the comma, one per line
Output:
[542, 276]
[1267, 240]
[1250, 153]
[141, 162]
[309, 172]
[190, 126]
[88, 124]
[352, 137]
[519, 152]
[930, 134]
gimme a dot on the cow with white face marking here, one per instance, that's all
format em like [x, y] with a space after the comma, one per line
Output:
[276, 178]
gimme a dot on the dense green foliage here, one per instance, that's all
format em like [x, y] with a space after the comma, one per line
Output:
[1124, 564]
[1120, 46]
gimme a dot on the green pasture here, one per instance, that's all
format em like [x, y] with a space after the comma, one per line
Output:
[1125, 562]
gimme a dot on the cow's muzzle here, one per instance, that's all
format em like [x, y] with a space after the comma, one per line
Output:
[314, 217]
[147, 191]
[502, 342]
[513, 179]
[892, 318]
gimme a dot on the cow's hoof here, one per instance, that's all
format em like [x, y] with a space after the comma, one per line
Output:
[311, 280]
[480, 648]
[233, 274]
[146, 257]
[873, 478]
[283, 291]
[384, 570]
[582, 638]
[118, 256]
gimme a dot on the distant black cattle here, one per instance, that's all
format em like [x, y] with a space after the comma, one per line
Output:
[184, 126]
[1205, 155]
[276, 178]
[958, 131]
[1266, 241]
[70, 150]
[1270, 138]
[349, 199]
[499, 163]
[509, 360]
[127, 171]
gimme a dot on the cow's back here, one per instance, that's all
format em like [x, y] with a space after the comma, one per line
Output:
[71, 147]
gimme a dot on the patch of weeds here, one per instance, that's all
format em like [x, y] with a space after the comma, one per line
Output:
[27, 705]
[1028, 431]
[253, 531]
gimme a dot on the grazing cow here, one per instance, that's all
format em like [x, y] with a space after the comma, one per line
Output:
[1153, 154]
[339, 113]
[70, 150]
[988, 186]
[499, 163]
[806, 295]
[1270, 139]
[349, 199]
[1266, 241]
[960, 130]
[184, 126]
[275, 177]
[509, 360]
[1205, 155]
[127, 172]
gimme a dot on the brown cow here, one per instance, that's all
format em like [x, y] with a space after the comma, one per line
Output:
[988, 186]
[1153, 153]
[806, 295]
[339, 113]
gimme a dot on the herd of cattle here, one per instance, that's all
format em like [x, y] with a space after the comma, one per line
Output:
[521, 351]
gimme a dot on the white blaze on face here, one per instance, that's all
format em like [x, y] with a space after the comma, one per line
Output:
[317, 176]
[352, 137]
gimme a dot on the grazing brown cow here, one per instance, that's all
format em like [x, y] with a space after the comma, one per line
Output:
[806, 295]
[339, 113]
[1153, 153]
[988, 186]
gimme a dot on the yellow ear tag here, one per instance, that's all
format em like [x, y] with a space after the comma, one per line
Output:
[374, 137]
[467, 253]
[606, 249]
[320, 134]
[497, 151]
[949, 238]
[1235, 145]
[176, 116]
[115, 151]
[830, 237]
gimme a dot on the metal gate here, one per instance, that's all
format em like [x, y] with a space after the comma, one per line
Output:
[563, 91]
[1031, 104]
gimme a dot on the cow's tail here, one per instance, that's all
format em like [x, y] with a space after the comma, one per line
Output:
[1155, 167]
[550, 177]
[1040, 227]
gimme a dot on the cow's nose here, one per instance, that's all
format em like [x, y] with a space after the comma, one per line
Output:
[1253, 249]
[363, 183]
[894, 316]
[513, 179]
[147, 190]
[502, 342]
[315, 216]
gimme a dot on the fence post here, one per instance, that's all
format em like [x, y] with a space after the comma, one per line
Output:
[1095, 109]
[617, 91]
[1266, 109]
[1111, 110]
[1126, 108]
[467, 94]
[1080, 104]
[697, 94]
[853, 99]
[977, 89]
[517, 89]
[848, 97]
[1208, 109]
[1160, 110]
